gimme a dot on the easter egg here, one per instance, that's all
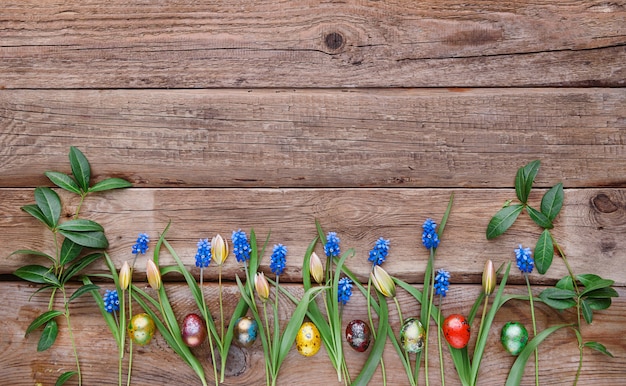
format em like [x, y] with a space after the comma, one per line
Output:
[308, 340]
[456, 330]
[193, 330]
[358, 335]
[245, 332]
[514, 337]
[412, 335]
[141, 329]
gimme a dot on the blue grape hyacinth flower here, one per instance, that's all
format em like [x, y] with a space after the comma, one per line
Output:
[241, 246]
[442, 282]
[278, 259]
[524, 259]
[203, 255]
[344, 290]
[379, 253]
[430, 239]
[141, 246]
[111, 301]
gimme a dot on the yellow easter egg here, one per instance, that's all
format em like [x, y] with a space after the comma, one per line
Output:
[308, 339]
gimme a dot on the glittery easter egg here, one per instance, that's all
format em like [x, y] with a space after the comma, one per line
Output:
[245, 332]
[141, 329]
[514, 337]
[308, 339]
[412, 336]
[193, 330]
[358, 335]
[456, 330]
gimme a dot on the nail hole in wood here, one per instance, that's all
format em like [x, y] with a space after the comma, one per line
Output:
[333, 40]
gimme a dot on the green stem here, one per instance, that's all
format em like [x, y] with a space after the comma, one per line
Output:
[268, 364]
[406, 353]
[371, 322]
[431, 260]
[71, 335]
[207, 327]
[532, 314]
[123, 333]
[443, 382]
[80, 204]
[219, 279]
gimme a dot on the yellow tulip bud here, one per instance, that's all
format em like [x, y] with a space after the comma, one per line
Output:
[383, 282]
[219, 249]
[125, 276]
[262, 286]
[316, 268]
[154, 275]
[489, 277]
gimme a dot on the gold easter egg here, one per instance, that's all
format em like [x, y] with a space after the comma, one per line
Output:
[308, 339]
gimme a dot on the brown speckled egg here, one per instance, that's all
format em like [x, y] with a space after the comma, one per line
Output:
[308, 339]
[358, 335]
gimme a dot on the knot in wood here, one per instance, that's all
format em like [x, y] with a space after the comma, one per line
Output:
[333, 40]
[603, 203]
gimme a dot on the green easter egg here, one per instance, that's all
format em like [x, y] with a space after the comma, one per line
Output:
[412, 336]
[514, 337]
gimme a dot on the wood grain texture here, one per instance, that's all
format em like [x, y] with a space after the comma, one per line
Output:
[317, 138]
[589, 228]
[82, 44]
[158, 364]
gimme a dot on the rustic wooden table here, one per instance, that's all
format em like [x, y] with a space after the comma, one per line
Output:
[269, 115]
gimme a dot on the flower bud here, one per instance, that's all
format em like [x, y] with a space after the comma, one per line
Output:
[124, 276]
[262, 286]
[489, 277]
[316, 268]
[383, 282]
[154, 275]
[219, 249]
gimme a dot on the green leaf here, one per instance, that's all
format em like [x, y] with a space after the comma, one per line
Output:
[587, 311]
[69, 251]
[79, 265]
[34, 211]
[503, 220]
[48, 336]
[598, 347]
[109, 184]
[552, 201]
[597, 304]
[42, 319]
[517, 370]
[539, 218]
[65, 377]
[32, 252]
[50, 205]
[544, 252]
[81, 225]
[565, 283]
[368, 369]
[80, 168]
[587, 279]
[524, 180]
[82, 290]
[595, 284]
[557, 298]
[602, 293]
[63, 181]
[36, 274]
[95, 239]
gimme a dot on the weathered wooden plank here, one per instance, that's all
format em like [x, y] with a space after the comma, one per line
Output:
[590, 227]
[317, 138]
[158, 364]
[80, 44]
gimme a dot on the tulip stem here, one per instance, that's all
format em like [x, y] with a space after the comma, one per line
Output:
[532, 314]
[371, 321]
[443, 382]
[207, 327]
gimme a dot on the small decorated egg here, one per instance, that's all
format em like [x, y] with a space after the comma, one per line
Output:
[514, 337]
[193, 330]
[456, 330]
[412, 335]
[358, 335]
[141, 329]
[245, 332]
[308, 340]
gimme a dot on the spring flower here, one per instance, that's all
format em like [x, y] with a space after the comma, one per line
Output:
[278, 259]
[316, 268]
[241, 246]
[111, 301]
[124, 276]
[430, 239]
[383, 282]
[442, 282]
[219, 249]
[379, 253]
[203, 255]
[141, 246]
[489, 278]
[262, 286]
[154, 275]
[344, 290]
[332, 245]
[524, 259]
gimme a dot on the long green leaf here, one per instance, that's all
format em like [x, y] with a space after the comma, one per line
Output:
[599, 347]
[81, 225]
[83, 290]
[80, 168]
[517, 370]
[63, 181]
[108, 318]
[34, 253]
[503, 220]
[42, 319]
[110, 184]
[50, 205]
[34, 211]
[95, 239]
[552, 201]
[596, 285]
[544, 252]
[79, 265]
[368, 369]
[587, 311]
[48, 336]
[524, 180]
[69, 251]
[36, 274]
[539, 218]
[65, 377]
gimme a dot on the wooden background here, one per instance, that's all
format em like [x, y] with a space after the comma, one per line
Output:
[365, 115]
